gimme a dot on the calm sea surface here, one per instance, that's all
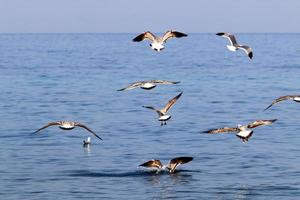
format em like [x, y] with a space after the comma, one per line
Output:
[50, 77]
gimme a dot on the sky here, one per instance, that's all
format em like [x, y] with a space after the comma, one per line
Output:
[133, 16]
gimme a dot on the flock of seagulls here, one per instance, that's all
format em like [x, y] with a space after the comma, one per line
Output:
[244, 132]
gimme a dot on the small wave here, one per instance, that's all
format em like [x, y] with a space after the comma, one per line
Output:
[87, 173]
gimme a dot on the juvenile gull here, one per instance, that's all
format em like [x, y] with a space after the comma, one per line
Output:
[162, 113]
[147, 85]
[235, 46]
[68, 125]
[295, 98]
[174, 163]
[244, 132]
[157, 43]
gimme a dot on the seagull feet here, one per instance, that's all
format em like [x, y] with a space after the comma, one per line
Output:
[163, 123]
[245, 140]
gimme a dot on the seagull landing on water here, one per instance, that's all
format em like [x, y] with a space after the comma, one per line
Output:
[174, 163]
[67, 125]
[243, 132]
[158, 42]
[235, 46]
[147, 85]
[162, 114]
[295, 98]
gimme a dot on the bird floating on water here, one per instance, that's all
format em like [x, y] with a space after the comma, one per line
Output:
[87, 142]
[68, 125]
[295, 98]
[174, 163]
[162, 113]
[235, 46]
[158, 42]
[147, 85]
[244, 132]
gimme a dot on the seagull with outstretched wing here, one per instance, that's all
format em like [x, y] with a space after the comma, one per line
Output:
[147, 85]
[295, 98]
[171, 167]
[162, 113]
[68, 125]
[235, 46]
[157, 43]
[244, 132]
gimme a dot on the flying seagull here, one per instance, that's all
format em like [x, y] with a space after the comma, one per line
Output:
[158, 42]
[244, 132]
[162, 113]
[295, 98]
[67, 125]
[234, 45]
[147, 85]
[174, 163]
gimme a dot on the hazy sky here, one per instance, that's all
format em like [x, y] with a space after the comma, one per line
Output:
[155, 15]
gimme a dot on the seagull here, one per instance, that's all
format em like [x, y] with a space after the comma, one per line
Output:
[244, 132]
[147, 85]
[295, 98]
[162, 114]
[67, 125]
[158, 42]
[234, 45]
[170, 167]
[87, 142]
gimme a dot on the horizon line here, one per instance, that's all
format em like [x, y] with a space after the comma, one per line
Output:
[141, 32]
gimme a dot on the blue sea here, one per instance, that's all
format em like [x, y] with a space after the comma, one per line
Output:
[52, 77]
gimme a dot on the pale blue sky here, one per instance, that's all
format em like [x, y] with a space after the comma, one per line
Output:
[157, 15]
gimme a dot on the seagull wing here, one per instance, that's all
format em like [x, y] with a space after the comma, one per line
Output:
[247, 50]
[171, 103]
[146, 35]
[152, 108]
[152, 163]
[88, 129]
[132, 86]
[230, 37]
[282, 98]
[177, 161]
[222, 130]
[163, 82]
[171, 34]
[261, 123]
[47, 125]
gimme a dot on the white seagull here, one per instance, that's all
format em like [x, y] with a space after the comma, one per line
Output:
[174, 163]
[244, 132]
[68, 125]
[147, 85]
[295, 98]
[157, 43]
[162, 113]
[235, 46]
